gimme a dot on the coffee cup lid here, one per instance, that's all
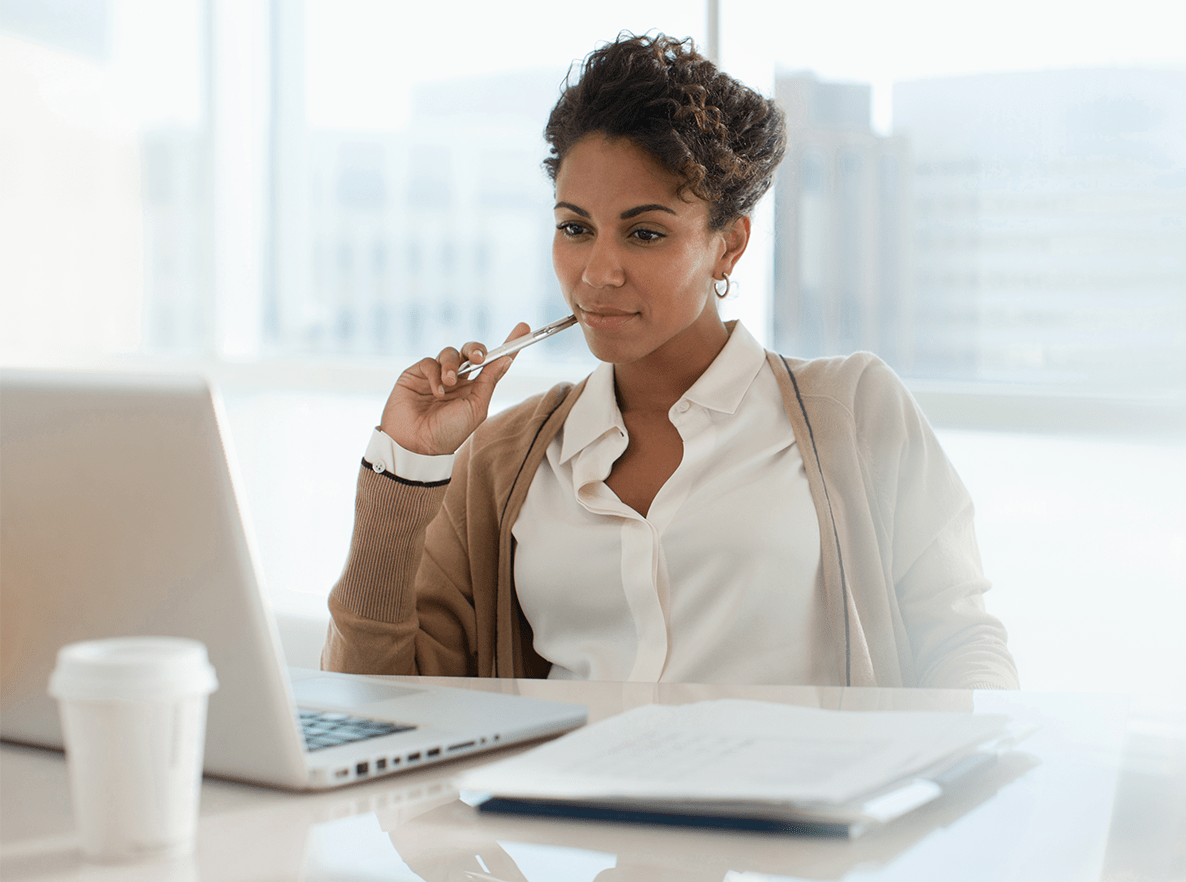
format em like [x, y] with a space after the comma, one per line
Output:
[130, 668]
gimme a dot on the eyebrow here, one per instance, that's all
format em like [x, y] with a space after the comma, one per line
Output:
[625, 215]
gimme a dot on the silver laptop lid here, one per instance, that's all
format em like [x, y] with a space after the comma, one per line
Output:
[118, 517]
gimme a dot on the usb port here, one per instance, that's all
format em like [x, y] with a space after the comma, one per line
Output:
[436, 751]
[412, 757]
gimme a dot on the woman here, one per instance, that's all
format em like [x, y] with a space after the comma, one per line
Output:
[696, 509]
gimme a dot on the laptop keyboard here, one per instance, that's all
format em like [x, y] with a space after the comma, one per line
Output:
[324, 729]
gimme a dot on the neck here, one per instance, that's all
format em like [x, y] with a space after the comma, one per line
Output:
[659, 380]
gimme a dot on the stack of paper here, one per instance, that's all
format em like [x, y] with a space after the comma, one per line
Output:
[744, 763]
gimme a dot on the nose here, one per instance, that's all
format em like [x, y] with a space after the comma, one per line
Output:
[603, 266]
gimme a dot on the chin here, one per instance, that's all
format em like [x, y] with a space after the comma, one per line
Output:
[608, 354]
[616, 354]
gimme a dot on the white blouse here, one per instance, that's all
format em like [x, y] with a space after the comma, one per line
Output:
[719, 582]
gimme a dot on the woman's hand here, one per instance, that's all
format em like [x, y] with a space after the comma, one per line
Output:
[431, 410]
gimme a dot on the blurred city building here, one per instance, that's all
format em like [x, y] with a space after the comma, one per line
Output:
[842, 230]
[1049, 227]
[437, 234]
[1016, 228]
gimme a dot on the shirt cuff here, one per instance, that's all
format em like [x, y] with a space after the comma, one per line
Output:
[385, 455]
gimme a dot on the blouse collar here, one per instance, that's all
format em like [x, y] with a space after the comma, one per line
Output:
[720, 388]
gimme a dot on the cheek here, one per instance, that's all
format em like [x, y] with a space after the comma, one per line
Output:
[563, 264]
[688, 274]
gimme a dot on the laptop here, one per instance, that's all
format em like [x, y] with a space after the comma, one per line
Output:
[118, 517]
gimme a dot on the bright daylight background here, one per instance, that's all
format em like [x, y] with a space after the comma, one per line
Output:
[300, 197]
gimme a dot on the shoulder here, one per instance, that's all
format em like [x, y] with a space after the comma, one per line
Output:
[857, 385]
[507, 436]
[533, 411]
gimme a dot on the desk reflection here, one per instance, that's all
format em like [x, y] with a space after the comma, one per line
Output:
[453, 842]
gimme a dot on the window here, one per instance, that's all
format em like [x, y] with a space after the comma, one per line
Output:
[980, 200]
[262, 180]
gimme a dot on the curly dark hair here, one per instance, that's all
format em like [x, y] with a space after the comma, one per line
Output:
[723, 138]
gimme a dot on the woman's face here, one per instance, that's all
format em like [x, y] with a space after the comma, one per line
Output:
[635, 259]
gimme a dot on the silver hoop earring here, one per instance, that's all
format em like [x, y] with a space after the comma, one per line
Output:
[721, 294]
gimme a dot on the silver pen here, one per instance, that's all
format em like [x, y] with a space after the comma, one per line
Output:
[519, 343]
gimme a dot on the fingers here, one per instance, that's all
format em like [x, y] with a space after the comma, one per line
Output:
[495, 371]
[449, 360]
[440, 373]
[430, 371]
[474, 353]
[518, 331]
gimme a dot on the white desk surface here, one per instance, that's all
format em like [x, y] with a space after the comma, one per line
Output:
[1093, 794]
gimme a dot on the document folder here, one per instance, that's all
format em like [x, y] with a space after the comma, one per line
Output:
[746, 765]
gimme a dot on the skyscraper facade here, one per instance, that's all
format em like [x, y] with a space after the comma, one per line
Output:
[842, 226]
[1050, 227]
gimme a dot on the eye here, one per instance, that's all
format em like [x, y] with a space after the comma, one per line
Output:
[645, 235]
[571, 229]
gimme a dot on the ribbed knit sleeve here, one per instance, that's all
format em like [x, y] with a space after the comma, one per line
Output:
[373, 605]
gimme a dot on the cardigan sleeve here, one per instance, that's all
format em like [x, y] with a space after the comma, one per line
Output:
[384, 619]
[932, 559]
[428, 587]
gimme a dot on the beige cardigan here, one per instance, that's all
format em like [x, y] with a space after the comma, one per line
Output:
[428, 586]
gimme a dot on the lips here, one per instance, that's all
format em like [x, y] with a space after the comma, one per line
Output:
[604, 318]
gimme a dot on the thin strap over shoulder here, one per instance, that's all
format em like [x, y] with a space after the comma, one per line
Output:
[555, 398]
[832, 517]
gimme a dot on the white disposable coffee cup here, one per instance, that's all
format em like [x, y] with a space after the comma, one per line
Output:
[133, 713]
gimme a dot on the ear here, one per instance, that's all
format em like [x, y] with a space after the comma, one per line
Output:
[736, 238]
